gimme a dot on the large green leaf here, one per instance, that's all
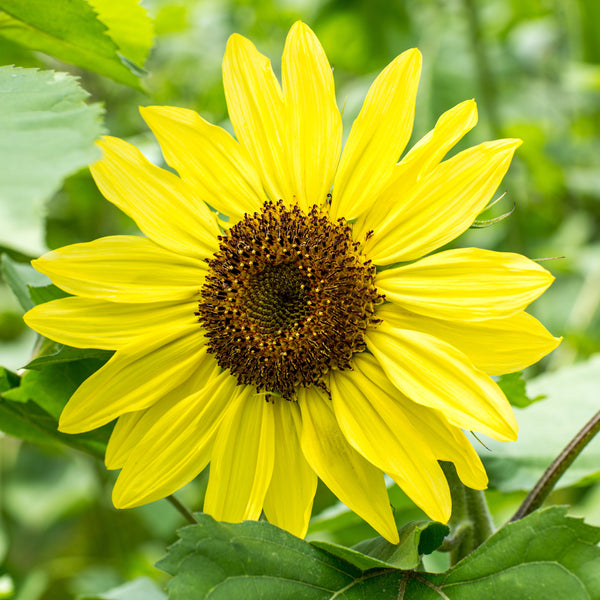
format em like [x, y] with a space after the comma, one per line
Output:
[71, 31]
[546, 427]
[46, 132]
[548, 555]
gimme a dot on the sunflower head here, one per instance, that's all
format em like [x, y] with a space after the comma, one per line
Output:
[321, 291]
[287, 298]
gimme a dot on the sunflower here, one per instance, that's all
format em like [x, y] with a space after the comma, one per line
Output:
[284, 318]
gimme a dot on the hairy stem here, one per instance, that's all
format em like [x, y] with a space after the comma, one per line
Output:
[559, 465]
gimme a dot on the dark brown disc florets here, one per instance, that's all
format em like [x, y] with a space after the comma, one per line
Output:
[288, 297]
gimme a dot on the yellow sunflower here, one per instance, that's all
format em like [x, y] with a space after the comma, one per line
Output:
[303, 334]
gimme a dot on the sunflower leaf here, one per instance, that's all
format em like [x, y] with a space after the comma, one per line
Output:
[52, 386]
[46, 132]
[71, 31]
[29, 422]
[514, 388]
[22, 278]
[416, 539]
[547, 555]
[546, 427]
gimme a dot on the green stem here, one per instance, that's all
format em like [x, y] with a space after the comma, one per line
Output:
[471, 523]
[189, 517]
[559, 465]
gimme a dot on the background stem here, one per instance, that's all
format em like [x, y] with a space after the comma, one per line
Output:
[559, 465]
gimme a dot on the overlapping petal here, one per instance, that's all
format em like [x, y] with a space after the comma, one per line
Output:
[379, 428]
[206, 156]
[255, 105]
[437, 434]
[378, 136]
[132, 427]
[420, 161]
[289, 499]
[435, 374]
[355, 481]
[164, 207]
[123, 268]
[496, 346]
[136, 377]
[312, 121]
[242, 459]
[466, 284]
[442, 206]
[176, 448]
[90, 323]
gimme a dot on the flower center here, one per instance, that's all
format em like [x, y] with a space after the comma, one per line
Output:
[288, 297]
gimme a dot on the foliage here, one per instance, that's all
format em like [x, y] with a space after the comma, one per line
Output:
[534, 69]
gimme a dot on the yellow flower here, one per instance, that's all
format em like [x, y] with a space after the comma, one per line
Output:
[305, 336]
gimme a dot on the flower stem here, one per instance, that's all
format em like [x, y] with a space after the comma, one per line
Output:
[559, 465]
[471, 523]
[189, 517]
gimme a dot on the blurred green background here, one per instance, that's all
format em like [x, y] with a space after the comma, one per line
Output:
[534, 68]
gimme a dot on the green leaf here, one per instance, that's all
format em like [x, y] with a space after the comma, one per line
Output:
[52, 386]
[142, 588]
[546, 427]
[545, 556]
[29, 422]
[64, 354]
[21, 278]
[71, 31]
[8, 380]
[30, 410]
[46, 132]
[416, 539]
[513, 386]
[129, 26]
[256, 560]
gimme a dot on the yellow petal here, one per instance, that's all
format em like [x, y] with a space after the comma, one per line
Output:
[242, 460]
[176, 448]
[355, 481]
[423, 157]
[90, 323]
[255, 105]
[444, 440]
[495, 346]
[289, 499]
[313, 125]
[123, 268]
[435, 374]
[136, 377]
[378, 136]
[208, 157]
[131, 428]
[165, 208]
[467, 284]
[378, 427]
[443, 205]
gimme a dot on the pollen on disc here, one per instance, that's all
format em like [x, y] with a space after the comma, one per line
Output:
[288, 297]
